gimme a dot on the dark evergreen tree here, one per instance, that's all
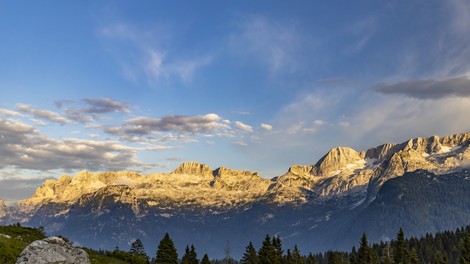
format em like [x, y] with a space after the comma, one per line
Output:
[353, 256]
[333, 257]
[205, 260]
[277, 244]
[413, 257]
[250, 256]
[137, 248]
[288, 258]
[267, 253]
[439, 258]
[364, 254]
[310, 259]
[296, 256]
[465, 249]
[166, 253]
[190, 256]
[399, 252]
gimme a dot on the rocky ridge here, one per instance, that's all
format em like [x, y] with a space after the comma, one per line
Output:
[343, 171]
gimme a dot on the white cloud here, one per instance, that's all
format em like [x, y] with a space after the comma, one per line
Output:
[7, 112]
[266, 127]
[243, 126]
[42, 114]
[23, 147]
[319, 122]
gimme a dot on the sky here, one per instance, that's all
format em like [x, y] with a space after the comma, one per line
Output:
[248, 85]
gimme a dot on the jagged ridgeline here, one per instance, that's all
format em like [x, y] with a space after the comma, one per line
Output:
[322, 206]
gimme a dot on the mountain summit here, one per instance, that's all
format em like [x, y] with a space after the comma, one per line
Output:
[308, 200]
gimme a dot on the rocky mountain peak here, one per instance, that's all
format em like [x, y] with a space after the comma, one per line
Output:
[336, 159]
[223, 172]
[193, 168]
[300, 170]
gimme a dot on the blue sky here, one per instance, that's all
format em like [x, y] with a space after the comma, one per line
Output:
[115, 85]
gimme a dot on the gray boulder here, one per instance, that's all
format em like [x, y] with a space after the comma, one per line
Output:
[52, 250]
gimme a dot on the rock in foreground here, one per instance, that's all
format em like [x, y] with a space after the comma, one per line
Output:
[52, 250]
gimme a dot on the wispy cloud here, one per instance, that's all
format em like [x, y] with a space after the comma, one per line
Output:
[428, 89]
[266, 127]
[42, 114]
[274, 43]
[91, 108]
[144, 55]
[243, 127]
[201, 124]
[8, 112]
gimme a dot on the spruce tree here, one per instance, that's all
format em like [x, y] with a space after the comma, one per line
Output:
[399, 252]
[267, 253]
[288, 258]
[137, 248]
[185, 258]
[190, 256]
[364, 254]
[465, 249]
[439, 258]
[277, 244]
[205, 260]
[166, 253]
[413, 259]
[310, 258]
[250, 256]
[296, 256]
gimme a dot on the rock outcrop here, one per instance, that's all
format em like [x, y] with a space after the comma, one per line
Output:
[3, 208]
[52, 250]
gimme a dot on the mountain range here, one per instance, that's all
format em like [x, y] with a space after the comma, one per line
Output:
[422, 185]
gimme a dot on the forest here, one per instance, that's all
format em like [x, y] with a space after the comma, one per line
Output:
[440, 248]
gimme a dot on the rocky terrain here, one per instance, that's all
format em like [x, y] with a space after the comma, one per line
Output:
[52, 250]
[302, 203]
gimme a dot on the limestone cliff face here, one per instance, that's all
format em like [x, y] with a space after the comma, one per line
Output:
[193, 168]
[335, 160]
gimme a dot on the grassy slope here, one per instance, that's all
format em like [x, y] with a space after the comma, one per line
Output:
[10, 248]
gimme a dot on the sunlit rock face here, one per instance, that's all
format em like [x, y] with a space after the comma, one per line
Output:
[197, 198]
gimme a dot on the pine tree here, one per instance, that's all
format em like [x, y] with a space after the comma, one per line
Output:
[413, 258]
[399, 251]
[205, 260]
[465, 249]
[250, 256]
[185, 258]
[267, 253]
[296, 256]
[364, 253]
[310, 259]
[439, 258]
[190, 256]
[137, 248]
[333, 258]
[288, 259]
[166, 253]
[277, 244]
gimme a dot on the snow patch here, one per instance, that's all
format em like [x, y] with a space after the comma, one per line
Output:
[358, 203]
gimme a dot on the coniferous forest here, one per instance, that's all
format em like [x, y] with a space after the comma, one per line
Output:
[440, 248]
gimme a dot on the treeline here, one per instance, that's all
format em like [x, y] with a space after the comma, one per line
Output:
[441, 248]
